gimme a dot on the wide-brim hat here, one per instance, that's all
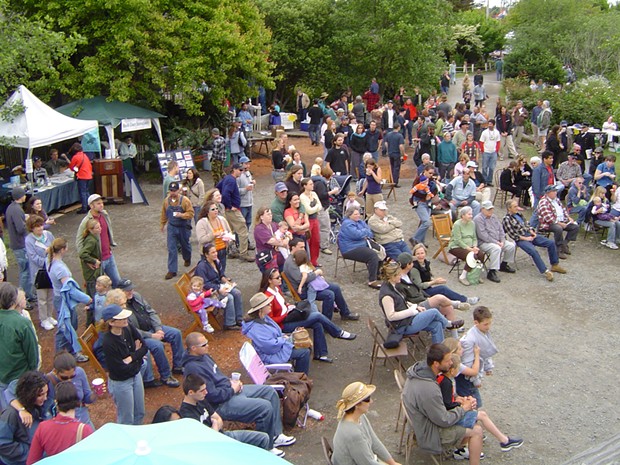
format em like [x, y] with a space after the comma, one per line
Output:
[258, 301]
[324, 95]
[352, 395]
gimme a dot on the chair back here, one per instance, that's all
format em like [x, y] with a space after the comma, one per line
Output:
[253, 364]
[291, 288]
[496, 177]
[328, 451]
[87, 341]
[442, 224]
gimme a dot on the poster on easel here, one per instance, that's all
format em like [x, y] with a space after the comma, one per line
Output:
[183, 157]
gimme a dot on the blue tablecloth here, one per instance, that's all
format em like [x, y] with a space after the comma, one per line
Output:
[58, 196]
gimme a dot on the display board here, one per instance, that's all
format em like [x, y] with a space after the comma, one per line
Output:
[182, 156]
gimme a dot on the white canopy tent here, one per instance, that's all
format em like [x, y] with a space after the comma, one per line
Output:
[39, 125]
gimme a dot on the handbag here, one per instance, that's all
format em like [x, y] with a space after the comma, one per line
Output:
[378, 248]
[42, 280]
[301, 338]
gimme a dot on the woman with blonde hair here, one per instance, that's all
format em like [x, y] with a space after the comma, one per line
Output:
[355, 442]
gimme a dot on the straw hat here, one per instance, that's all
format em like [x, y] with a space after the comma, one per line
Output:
[352, 395]
[258, 301]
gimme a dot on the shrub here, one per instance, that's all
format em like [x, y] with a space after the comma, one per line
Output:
[533, 62]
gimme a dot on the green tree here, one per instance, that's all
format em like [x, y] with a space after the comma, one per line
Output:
[301, 48]
[533, 62]
[32, 54]
[158, 51]
[492, 32]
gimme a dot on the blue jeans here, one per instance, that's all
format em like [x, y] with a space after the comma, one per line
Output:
[430, 320]
[314, 131]
[158, 350]
[489, 160]
[246, 212]
[395, 167]
[221, 256]
[540, 241]
[534, 218]
[329, 296]
[613, 230]
[109, 268]
[319, 324]
[25, 280]
[84, 192]
[445, 291]
[465, 388]
[581, 210]
[409, 132]
[233, 312]
[128, 397]
[300, 358]
[424, 213]
[178, 236]
[253, 438]
[394, 249]
[255, 404]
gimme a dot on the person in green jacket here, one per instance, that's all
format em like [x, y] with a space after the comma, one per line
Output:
[19, 348]
[90, 260]
[463, 240]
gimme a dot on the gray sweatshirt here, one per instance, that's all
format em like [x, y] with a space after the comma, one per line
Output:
[15, 219]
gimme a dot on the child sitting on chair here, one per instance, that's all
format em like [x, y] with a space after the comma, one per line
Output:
[198, 301]
[103, 284]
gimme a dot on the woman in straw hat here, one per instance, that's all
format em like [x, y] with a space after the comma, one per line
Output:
[355, 442]
[270, 343]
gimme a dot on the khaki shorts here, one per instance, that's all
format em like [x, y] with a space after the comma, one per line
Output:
[452, 436]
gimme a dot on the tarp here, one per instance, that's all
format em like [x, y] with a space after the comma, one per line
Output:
[107, 113]
[40, 125]
[111, 114]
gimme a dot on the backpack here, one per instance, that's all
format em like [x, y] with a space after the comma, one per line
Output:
[297, 389]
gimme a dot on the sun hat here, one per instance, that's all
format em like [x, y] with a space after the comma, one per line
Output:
[352, 395]
[258, 301]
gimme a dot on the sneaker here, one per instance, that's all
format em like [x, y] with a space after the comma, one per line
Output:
[558, 269]
[52, 321]
[347, 335]
[464, 281]
[549, 275]
[152, 384]
[324, 359]
[612, 245]
[350, 317]
[81, 358]
[455, 324]
[208, 328]
[463, 454]
[283, 440]
[473, 300]
[278, 452]
[327, 251]
[512, 443]
[171, 382]
[47, 325]
[464, 306]
[604, 242]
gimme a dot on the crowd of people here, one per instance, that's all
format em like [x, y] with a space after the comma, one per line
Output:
[455, 151]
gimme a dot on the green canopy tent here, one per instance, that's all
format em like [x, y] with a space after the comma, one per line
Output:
[111, 114]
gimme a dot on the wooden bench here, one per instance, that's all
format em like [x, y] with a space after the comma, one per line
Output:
[182, 287]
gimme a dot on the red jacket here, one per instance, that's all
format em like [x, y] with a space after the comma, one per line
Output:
[278, 313]
[84, 168]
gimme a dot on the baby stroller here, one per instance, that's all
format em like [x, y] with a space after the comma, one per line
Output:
[335, 220]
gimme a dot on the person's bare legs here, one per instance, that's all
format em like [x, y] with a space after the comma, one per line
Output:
[473, 436]
[488, 424]
[443, 304]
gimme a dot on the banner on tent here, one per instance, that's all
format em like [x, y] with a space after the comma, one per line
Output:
[135, 124]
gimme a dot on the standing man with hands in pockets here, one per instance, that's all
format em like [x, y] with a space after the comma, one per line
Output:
[177, 212]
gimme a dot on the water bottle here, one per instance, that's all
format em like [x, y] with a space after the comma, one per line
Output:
[318, 416]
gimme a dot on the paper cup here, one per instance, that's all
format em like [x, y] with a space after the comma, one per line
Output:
[98, 386]
[235, 376]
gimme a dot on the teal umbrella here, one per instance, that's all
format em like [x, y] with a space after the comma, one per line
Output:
[181, 442]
